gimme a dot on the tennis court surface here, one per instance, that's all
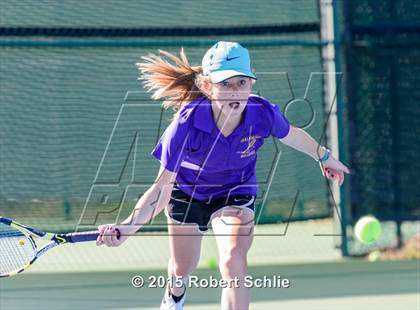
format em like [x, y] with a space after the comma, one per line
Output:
[339, 285]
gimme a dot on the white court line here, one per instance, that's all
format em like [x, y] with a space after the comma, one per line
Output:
[371, 302]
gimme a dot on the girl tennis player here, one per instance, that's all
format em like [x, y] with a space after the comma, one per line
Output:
[208, 157]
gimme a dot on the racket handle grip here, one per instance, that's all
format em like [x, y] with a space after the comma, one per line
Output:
[82, 236]
[85, 236]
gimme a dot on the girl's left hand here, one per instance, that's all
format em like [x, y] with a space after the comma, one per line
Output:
[334, 170]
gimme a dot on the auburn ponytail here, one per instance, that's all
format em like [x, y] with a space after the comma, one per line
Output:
[176, 83]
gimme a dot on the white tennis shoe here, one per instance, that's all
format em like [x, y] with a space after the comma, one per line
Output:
[168, 303]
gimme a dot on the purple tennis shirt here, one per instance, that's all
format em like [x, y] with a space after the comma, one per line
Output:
[210, 165]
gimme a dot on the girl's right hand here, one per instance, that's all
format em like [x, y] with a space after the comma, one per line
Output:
[113, 235]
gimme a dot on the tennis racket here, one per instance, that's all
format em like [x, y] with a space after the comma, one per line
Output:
[18, 249]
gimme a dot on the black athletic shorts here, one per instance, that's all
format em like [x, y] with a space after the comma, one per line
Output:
[184, 209]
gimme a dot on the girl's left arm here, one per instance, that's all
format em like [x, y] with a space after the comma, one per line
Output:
[331, 167]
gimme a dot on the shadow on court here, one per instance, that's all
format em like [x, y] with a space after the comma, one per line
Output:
[332, 283]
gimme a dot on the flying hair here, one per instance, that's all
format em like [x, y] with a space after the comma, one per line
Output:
[171, 78]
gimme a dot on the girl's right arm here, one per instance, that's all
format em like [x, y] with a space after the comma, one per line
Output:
[153, 201]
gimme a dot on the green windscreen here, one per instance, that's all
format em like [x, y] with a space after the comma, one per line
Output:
[77, 128]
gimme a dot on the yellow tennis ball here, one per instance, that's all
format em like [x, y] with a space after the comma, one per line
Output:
[367, 229]
[212, 263]
[21, 242]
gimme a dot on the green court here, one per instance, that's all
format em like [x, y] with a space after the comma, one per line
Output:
[341, 285]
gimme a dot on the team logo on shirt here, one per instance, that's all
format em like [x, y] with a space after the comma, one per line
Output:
[250, 149]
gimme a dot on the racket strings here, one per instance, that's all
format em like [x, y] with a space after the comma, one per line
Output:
[16, 249]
